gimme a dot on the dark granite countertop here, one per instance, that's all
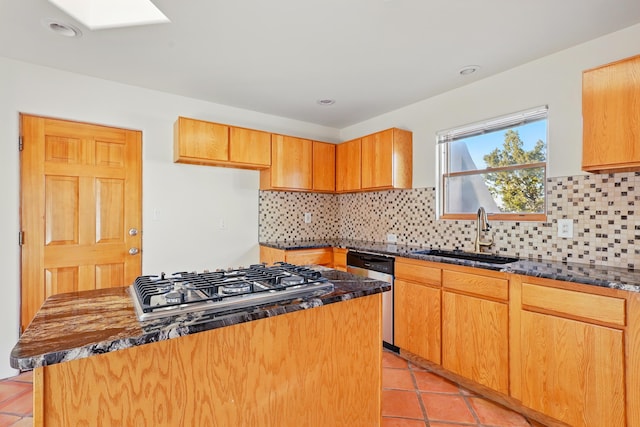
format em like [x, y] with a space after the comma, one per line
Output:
[82, 324]
[587, 274]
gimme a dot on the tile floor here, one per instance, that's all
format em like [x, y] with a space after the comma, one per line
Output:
[411, 397]
[415, 397]
[16, 401]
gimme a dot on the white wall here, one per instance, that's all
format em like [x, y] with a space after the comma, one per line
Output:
[554, 80]
[182, 204]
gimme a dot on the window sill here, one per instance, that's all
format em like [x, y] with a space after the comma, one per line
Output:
[497, 217]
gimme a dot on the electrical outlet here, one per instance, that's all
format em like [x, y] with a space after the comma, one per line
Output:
[565, 228]
[392, 238]
[307, 217]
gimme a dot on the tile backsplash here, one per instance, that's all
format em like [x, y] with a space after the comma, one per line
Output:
[602, 207]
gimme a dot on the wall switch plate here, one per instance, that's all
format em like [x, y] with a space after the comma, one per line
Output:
[565, 228]
[307, 217]
[392, 238]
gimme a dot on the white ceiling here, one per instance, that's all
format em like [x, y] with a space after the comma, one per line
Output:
[281, 56]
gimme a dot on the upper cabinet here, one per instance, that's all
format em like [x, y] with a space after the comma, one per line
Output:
[387, 160]
[248, 146]
[206, 143]
[291, 165]
[379, 161]
[300, 165]
[611, 117]
[348, 155]
[324, 167]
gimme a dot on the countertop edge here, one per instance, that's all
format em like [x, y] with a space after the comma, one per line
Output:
[188, 324]
[585, 274]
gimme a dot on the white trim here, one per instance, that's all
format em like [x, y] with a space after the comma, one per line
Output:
[492, 125]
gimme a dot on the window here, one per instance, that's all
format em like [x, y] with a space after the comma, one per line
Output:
[499, 164]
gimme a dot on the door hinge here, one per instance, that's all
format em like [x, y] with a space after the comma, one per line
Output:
[21, 238]
[20, 143]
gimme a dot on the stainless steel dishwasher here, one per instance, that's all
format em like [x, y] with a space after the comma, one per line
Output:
[377, 267]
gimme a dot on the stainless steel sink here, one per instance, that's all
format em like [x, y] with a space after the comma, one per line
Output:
[470, 256]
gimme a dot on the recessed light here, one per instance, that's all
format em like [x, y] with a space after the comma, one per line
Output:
[61, 28]
[326, 101]
[469, 69]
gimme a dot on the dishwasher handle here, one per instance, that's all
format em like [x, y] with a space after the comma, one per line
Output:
[380, 263]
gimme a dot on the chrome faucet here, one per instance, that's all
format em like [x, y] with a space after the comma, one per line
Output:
[481, 225]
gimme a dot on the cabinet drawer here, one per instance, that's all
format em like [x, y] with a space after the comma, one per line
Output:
[417, 272]
[588, 306]
[310, 256]
[475, 284]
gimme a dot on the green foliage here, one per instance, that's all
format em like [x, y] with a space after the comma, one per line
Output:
[520, 190]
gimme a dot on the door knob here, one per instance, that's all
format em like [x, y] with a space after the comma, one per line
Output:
[133, 232]
[134, 251]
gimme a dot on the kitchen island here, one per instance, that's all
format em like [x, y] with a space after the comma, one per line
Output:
[312, 362]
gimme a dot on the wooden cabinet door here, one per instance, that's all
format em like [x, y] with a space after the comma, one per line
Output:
[81, 190]
[387, 160]
[573, 371]
[377, 160]
[251, 147]
[610, 117]
[417, 326]
[291, 163]
[348, 167]
[340, 259]
[475, 339]
[324, 166]
[197, 141]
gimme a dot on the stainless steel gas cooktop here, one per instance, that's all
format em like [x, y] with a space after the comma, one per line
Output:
[162, 296]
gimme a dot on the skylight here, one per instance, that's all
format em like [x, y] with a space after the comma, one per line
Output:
[101, 14]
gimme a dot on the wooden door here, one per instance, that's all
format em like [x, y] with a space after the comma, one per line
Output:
[417, 319]
[80, 197]
[475, 339]
[573, 371]
[248, 146]
[610, 109]
[348, 166]
[291, 162]
[324, 166]
[377, 158]
[197, 141]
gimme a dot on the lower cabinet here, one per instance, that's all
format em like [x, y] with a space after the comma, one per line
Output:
[417, 319]
[571, 367]
[475, 328]
[573, 371]
[317, 256]
[417, 307]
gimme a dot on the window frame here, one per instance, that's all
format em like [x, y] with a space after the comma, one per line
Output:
[505, 122]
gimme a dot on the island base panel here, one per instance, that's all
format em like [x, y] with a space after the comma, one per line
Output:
[315, 367]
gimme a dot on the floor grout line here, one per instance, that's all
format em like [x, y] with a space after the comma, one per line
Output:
[420, 402]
